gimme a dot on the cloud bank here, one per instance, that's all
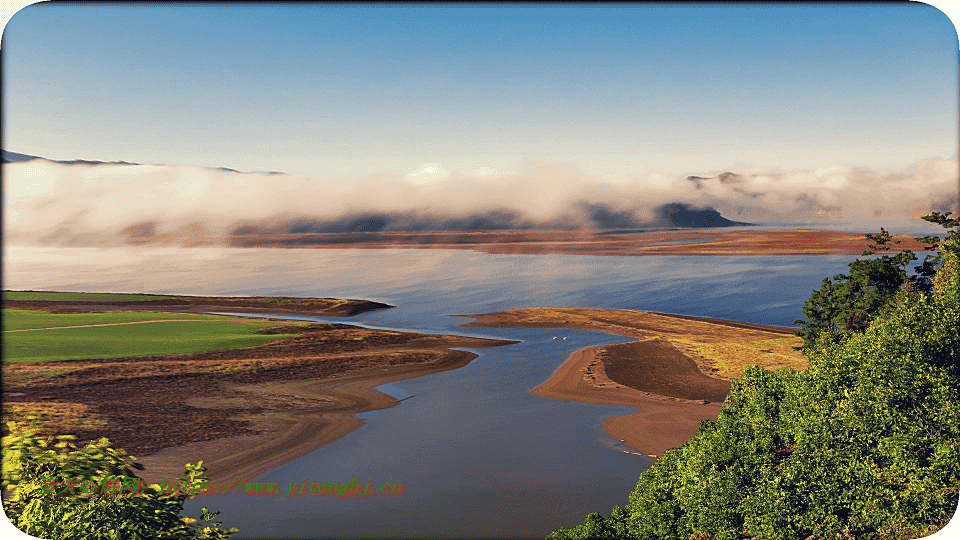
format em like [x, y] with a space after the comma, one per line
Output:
[83, 203]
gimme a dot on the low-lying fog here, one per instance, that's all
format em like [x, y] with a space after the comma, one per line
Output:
[93, 203]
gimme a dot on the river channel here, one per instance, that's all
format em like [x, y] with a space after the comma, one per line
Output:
[477, 454]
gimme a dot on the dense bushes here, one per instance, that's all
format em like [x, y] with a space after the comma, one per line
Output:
[865, 443]
[58, 491]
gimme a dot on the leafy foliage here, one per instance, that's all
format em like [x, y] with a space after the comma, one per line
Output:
[931, 262]
[864, 444]
[848, 302]
[45, 476]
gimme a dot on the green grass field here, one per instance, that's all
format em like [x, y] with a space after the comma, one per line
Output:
[81, 297]
[19, 319]
[208, 333]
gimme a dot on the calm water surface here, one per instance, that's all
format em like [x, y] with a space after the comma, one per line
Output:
[477, 454]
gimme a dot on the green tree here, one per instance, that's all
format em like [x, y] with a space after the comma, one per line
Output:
[45, 478]
[848, 302]
[931, 262]
[864, 444]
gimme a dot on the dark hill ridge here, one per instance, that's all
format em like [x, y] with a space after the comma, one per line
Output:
[580, 215]
[600, 216]
[684, 215]
[14, 157]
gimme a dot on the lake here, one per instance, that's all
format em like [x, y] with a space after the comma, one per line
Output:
[477, 454]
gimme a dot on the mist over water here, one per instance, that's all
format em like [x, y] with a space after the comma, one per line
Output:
[479, 456]
[89, 203]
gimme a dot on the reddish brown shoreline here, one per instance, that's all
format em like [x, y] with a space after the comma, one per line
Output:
[708, 241]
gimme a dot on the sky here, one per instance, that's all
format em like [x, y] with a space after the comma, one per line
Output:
[342, 90]
[542, 112]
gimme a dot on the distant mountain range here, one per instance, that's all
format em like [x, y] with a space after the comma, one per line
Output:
[13, 157]
[602, 216]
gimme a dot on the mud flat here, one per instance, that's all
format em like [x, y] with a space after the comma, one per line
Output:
[707, 241]
[676, 375]
[294, 418]
[241, 411]
[46, 301]
[661, 422]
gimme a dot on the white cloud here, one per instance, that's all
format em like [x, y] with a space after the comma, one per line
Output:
[427, 173]
[47, 202]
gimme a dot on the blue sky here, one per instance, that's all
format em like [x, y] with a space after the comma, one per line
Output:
[349, 90]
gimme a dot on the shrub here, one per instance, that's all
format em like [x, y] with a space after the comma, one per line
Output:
[40, 480]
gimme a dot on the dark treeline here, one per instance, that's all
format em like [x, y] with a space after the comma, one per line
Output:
[582, 215]
[864, 444]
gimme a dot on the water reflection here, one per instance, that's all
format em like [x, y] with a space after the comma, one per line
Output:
[431, 283]
[477, 454]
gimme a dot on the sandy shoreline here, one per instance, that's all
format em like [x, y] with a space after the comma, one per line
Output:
[240, 411]
[327, 411]
[286, 435]
[676, 374]
[291, 397]
[661, 422]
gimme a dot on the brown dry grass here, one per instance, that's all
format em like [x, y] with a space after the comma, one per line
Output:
[675, 374]
[55, 417]
[722, 349]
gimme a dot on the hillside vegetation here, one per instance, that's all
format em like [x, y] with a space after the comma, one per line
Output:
[864, 444]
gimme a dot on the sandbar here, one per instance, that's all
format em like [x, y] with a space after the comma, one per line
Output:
[676, 374]
[660, 424]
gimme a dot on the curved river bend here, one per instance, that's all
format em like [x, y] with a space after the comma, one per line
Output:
[477, 454]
